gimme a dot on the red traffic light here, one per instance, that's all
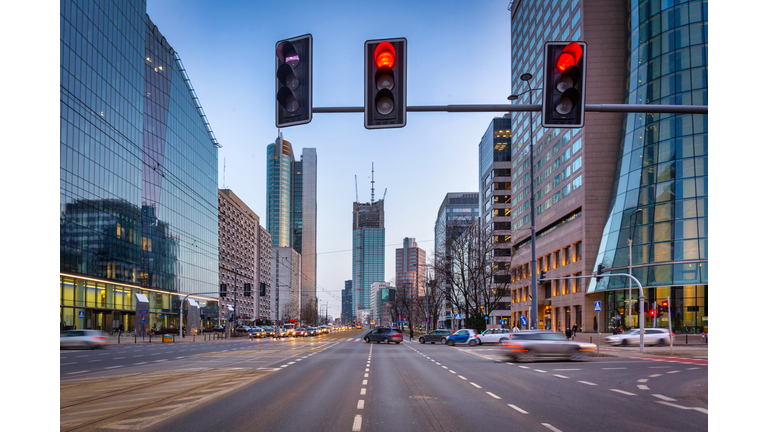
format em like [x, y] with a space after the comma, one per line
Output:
[664, 304]
[385, 55]
[652, 312]
[570, 56]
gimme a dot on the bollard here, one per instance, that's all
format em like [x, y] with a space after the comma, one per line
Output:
[686, 338]
[134, 337]
[150, 338]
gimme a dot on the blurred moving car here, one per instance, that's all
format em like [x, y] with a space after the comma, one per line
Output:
[440, 335]
[300, 332]
[384, 334]
[532, 345]
[257, 332]
[463, 336]
[88, 339]
[217, 328]
[494, 336]
[653, 336]
[312, 331]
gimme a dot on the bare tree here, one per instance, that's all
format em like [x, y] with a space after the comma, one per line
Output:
[308, 315]
[474, 272]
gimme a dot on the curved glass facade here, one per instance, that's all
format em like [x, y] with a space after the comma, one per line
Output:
[138, 172]
[661, 169]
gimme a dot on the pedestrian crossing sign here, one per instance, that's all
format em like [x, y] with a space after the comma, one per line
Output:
[598, 307]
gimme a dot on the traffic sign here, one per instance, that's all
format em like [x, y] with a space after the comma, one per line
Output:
[598, 307]
[81, 314]
[523, 320]
[486, 317]
[458, 316]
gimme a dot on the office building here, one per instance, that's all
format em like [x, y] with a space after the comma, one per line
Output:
[367, 251]
[411, 270]
[286, 284]
[264, 257]
[292, 208]
[659, 195]
[138, 196]
[346, 303]
[380, 292]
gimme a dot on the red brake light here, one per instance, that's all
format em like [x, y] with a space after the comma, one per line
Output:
[98, 337]
[570, 56]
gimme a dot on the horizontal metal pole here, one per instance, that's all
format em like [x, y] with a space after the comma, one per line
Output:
[626, 108]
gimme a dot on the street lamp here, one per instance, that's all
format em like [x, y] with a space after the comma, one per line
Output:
[534, 314]
[631, 235]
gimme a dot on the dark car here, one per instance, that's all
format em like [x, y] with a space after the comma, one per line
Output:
[440, 335]
[384, 334]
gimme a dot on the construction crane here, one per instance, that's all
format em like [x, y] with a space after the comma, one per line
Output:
[385, 194]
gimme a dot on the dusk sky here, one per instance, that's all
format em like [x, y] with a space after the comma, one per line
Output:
[458, 53]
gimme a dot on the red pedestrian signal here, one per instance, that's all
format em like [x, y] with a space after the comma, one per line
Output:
[565, 66]
[385, 83]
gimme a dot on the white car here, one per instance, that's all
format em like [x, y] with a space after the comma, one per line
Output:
[88, 339]
[653, 336]
[495, 336]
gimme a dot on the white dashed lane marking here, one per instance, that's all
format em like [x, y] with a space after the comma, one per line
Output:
[623, 392]
[518, 409]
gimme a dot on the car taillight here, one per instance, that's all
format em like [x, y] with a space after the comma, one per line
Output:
[98, 337]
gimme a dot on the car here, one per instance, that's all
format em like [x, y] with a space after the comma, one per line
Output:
[300, 332]
[384, 334]
[359, 326]
[653, 336]
[494, 336]
[243, 329]
[257, 332]
[532, 345]
[88, 339]
[312, 331]
[440, 335]
[463, 336]
[217, 328]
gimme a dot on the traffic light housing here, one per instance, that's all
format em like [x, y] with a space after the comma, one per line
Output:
[600, 270]
[247, 290]
[664, 306]
[223, 290]
[385, 83]
[652, 313]
[565, 67]
[542, 275]
[293, 81]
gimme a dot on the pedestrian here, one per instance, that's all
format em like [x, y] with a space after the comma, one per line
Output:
[567, 333]
[515, 329]
[573, 332]
[411, 332]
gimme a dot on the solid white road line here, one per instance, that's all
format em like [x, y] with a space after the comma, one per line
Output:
[666, 398]
[623, 392]
[360, 404]
[550, 427]
[493, 395]
[518, 409]
[475, 385]
[358, 423]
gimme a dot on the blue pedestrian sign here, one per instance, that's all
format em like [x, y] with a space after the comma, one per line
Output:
[81, 314]
[458, 316]
[523, 320]
[598, 307]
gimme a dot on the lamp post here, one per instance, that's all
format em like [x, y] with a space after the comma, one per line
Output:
[631, 235]
[534, 314]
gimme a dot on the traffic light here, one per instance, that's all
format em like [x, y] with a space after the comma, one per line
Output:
[600, 270]
[664, 306]
[652, 313]
[565, 66]
[293, 81]
[247, 290]
[223, 290]
[542, 275]
[385, 82]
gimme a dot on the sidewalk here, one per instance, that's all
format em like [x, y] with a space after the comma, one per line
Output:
[694, 347]
[157, 339]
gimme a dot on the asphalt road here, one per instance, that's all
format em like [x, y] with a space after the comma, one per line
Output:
[338, 382]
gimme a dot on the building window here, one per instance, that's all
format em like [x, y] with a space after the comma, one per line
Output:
[556, 263]
[566, 255]
[576, 283]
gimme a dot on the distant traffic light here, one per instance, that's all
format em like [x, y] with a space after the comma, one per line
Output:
[247, 290]
[385, 83]
[293, 81]
[600, 270]
[664, 306]
[223, 290]
[565, 66]
[542, 275]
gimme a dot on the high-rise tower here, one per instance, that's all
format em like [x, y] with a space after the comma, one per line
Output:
[368, 250]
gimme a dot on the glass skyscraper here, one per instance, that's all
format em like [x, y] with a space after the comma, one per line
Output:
[368, 236]
[661, 170]
[138, 172]
[292, 208]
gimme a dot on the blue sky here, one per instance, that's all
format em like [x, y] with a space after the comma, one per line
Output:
[458, 53]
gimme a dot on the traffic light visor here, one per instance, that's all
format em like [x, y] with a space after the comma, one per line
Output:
[570, 56]
[384, 55]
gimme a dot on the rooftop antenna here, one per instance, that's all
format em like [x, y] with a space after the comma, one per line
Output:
[372, 182]
[357, 200]
[225, 173]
